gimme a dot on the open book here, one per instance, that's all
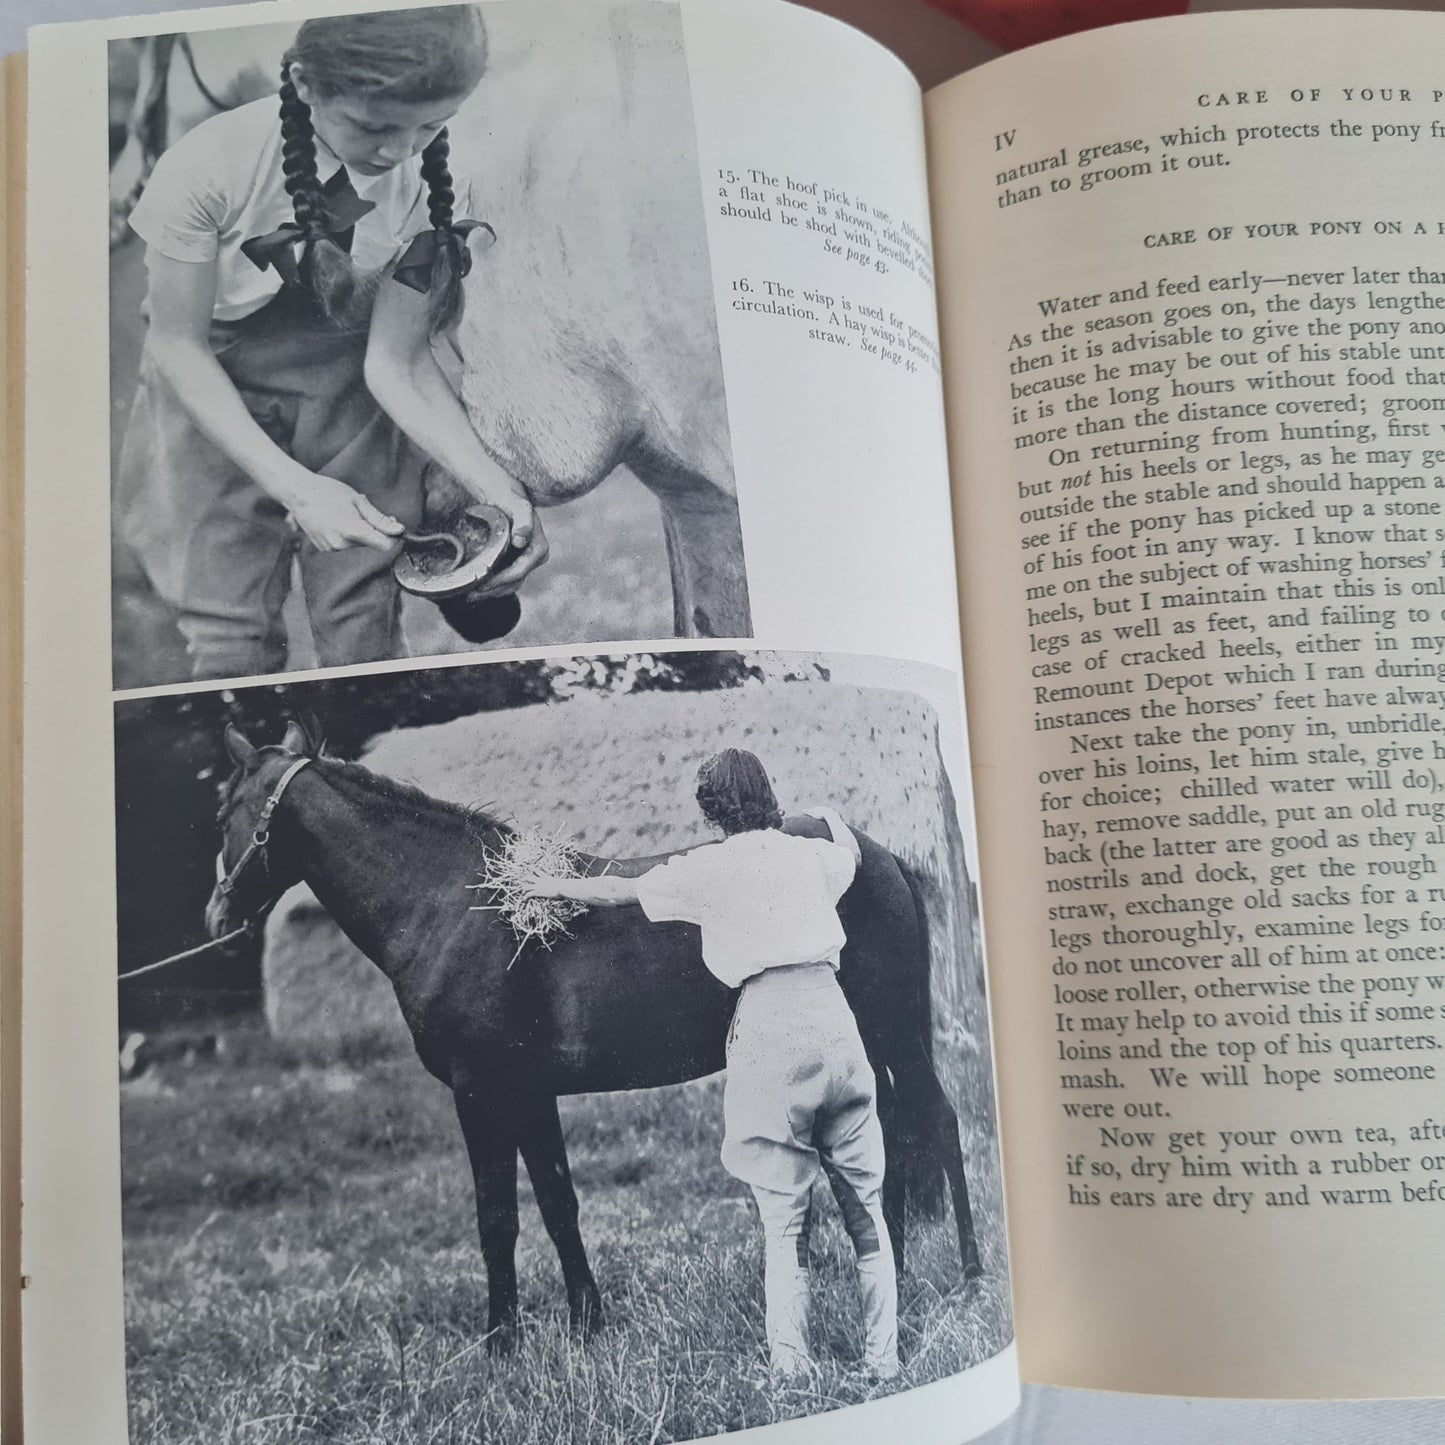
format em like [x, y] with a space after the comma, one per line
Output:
[1106, 381]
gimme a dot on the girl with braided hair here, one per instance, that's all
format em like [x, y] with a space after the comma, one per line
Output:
[254, 442]
[800, 1088]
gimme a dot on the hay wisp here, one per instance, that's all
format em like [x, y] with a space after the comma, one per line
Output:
[508, 873]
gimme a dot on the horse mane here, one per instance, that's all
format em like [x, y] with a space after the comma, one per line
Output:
[473, 816]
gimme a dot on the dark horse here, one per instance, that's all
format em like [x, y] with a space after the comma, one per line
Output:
[623, 1004]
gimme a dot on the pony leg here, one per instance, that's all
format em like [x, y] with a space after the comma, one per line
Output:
[705, 555]
[493, 1155]
[939, 1129]
[544, 1151]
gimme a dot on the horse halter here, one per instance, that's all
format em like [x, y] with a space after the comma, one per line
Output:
[225, 884]
[260, 837]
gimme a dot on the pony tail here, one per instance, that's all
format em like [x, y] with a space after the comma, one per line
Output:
[326, 271]
[447, 297]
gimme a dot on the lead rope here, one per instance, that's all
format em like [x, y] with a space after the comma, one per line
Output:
[189, 953]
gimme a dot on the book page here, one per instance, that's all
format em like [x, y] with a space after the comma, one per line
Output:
[12, 410]
[1193, 304]
[386, 637]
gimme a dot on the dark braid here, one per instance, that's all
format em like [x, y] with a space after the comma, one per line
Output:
[298, 157]
[326, 277]
[445, 304]
[440, 198]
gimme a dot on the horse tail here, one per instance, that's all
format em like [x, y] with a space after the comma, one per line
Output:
[925, 1164]
[922, 1020]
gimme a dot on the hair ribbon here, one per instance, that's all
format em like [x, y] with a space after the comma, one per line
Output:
[344, 208]
[417, 266]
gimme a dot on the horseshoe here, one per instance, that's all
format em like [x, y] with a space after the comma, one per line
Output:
[478, 543]
[459, 551]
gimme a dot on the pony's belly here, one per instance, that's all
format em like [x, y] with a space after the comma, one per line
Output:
[636, 1073]
[548, 421]
[642, 1050]
[636, 1017]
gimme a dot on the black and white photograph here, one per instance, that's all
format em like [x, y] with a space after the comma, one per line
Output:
[560, 1051]
[413, 342]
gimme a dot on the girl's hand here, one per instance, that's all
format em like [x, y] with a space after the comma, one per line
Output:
[529, 541]
[334, 515]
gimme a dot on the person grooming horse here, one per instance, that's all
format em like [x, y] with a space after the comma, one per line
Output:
[254, 438]
[799, 1085]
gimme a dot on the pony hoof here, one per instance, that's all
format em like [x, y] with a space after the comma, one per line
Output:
[973, 1270]
[586, 1320]
[483, 620]
[502, 1340]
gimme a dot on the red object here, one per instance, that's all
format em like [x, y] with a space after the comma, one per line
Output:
[1013, 24]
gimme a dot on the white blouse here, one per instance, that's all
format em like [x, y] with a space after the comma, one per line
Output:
[763, 899]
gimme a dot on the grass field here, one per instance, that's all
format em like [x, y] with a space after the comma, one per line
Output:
[301, 1265]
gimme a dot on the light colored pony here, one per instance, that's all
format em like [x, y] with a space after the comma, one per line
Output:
[590, 336]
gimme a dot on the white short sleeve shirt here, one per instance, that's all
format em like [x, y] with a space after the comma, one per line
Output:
[221, 184]
[763, 900]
